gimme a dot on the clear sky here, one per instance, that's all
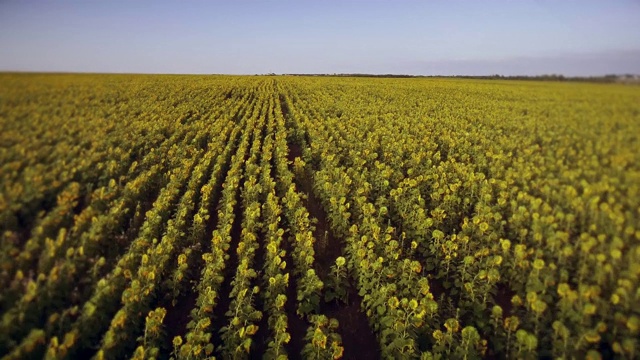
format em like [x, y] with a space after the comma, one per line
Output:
[479, 37]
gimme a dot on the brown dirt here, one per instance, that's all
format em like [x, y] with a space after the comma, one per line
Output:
[503, 299]
[178, 316]
[224, 301]
[297, 326]
[358, 339]
[261, 337]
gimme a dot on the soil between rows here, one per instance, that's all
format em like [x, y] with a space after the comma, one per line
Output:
[358, 339]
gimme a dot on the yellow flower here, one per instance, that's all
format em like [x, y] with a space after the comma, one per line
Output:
[538, 264]
[633, 324]
[563, 289]
[592, 337]
[589, 309]
[616, 254]
[615, 299]
[177, 341]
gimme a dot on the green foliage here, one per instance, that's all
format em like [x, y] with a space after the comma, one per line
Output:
[472, 218]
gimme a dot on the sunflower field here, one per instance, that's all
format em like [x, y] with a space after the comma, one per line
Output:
[275, 217]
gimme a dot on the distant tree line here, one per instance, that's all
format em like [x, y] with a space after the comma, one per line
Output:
[610, 78]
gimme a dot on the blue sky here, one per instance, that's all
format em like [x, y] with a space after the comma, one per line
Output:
[247, 37]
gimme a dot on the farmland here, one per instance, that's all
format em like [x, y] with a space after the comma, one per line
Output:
[158, 216]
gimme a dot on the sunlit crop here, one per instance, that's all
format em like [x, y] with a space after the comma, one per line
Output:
[286, 217]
